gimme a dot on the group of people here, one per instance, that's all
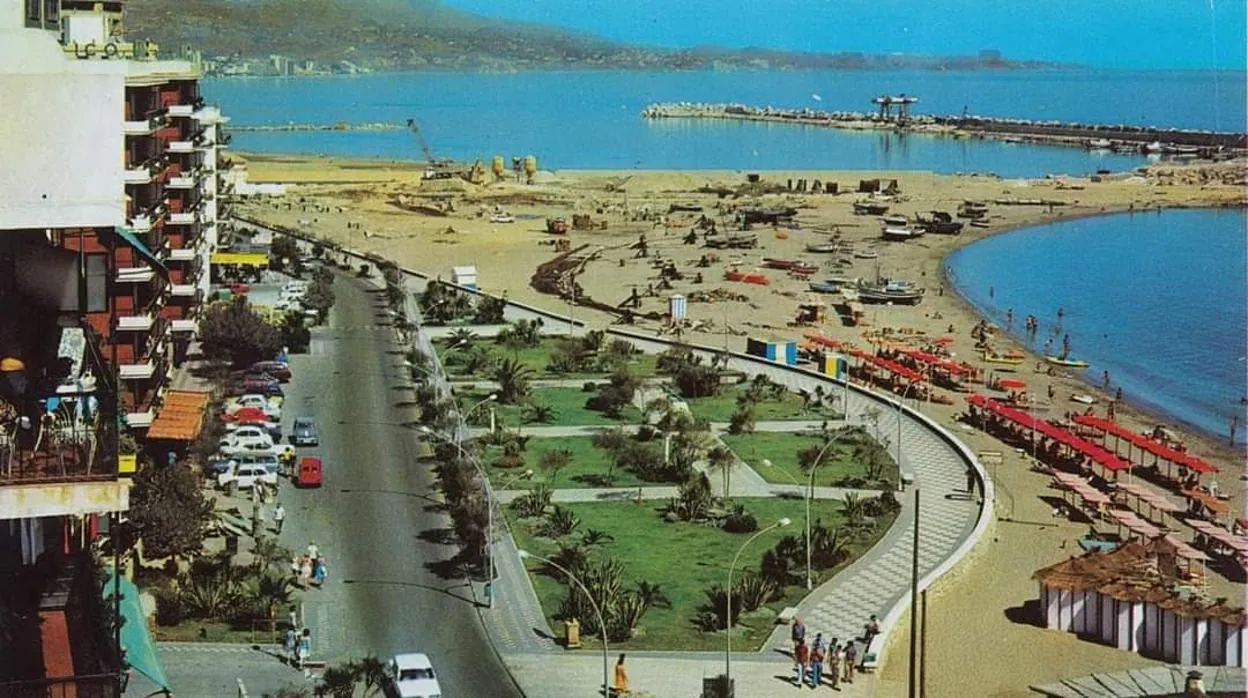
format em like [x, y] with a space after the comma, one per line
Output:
[309, 568]
[297, 641]
[810, 658]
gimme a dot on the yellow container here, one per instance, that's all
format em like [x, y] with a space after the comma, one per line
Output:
[497, 166]
[530, 165]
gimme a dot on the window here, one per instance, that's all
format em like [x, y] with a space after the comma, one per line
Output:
[97, 283]
[32, 10]
[52, 11]
[415, 674]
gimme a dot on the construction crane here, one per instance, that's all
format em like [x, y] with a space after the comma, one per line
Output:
[445, 169]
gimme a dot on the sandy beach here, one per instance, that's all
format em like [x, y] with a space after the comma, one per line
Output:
[977, 644]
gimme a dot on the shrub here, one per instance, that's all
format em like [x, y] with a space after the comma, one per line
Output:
[169, 607]
[740, 521]
[534, 502]
[560, 522]
[589, 387]
[754, 590]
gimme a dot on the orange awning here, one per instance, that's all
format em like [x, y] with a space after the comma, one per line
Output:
[181, 416]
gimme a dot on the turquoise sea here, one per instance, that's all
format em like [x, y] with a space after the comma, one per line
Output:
[590, 120]
[1158, 300]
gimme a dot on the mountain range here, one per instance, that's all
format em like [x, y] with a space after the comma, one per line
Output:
[426, 34]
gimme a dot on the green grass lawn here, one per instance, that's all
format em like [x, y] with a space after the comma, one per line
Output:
[719, 408]
[685, 559]
[537, 359]
[568, 405]
[781, 449]
[213, 631]
[588, 468]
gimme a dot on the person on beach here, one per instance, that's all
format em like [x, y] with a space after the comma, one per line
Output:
[816, 661]
[801, 662]
[1105, 380]
[851, 661]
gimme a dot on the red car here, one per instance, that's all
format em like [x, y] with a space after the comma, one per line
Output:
[308, 473]
[239, 288]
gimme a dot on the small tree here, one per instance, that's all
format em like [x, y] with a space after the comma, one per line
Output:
[721, 459]
[513, 381]
[169, 511]
[284, 251]
[555, 460]
[234, 332]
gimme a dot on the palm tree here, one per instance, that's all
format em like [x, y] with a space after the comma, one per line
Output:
[721, 459]
[337, 682]
[462, 338]
[538, 413]
[372, 672]
[652, 595]
[595, 537]
[274, 591]
[513, 381]
[853, 509]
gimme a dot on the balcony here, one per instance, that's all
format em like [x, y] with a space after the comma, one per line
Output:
[184, 326]
[135, 275]
[142, 127]
[186, 180]
[137, 371]
[183, 290]
[181, 147]
[182, 111]
[138, 322]
[182, 254]
[138, 175]
[185, 217]
[140, 224]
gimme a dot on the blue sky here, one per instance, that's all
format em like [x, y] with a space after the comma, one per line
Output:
[1111, 33]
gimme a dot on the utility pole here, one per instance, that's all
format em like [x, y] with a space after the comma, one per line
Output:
[914, 604]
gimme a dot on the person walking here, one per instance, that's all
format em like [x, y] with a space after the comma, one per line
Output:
[305, 571]
[314, 551]
[619, 686]
[279, 517]
[870, 630]
[817, 655]
[305, 647]
[851, 661]
[318, 572]
[290, 643]
[801, 662]
[834, 662]
[797, 633]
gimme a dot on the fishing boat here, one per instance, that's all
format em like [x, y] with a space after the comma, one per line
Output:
[901, 234]
[1154, 147]
[890, 291]
[802, 269]
[866, 254]
[824, 247]
[1066, 361]
[896, 220]
[979, 223]
[825, 286]
[866, 208]
[1099, 144]
[1011, 358]
[941, 223]
[773, 263]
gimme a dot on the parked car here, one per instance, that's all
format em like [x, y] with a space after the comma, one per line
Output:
[245, 477]
[308, 473]
[304, 432]
[270, 407]
[414, 677]
[259, 386]
[268, 461]
[239, 288]
[276, 369]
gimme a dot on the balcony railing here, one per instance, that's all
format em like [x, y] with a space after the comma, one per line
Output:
[186, 180]
[182, 110]
[135, 275]
[182, 254]
[181, 147]
[185, 217]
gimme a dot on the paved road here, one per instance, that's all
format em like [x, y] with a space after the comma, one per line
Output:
[376, 518]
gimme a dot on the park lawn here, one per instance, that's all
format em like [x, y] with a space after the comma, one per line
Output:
[568, 405]
[781, 449]
[589, 466]
[211, 631]
[719, 408]
[537, 359]
[685, 559]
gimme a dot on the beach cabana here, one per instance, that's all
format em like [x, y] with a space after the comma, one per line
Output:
[1137, 598]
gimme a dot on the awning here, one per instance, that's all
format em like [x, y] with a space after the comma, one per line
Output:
[136, 641]
[132, 239]
[242, 259]
[181, 416]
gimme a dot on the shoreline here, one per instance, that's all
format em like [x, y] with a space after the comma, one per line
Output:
[380, 170]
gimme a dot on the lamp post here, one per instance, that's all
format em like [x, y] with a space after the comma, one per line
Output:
[463, 417]
[810, 494]
[728, 617]
[602, 626]
[901, 403]
[489, 504]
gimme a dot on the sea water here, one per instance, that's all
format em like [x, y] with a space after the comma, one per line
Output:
[591, 119]
[1157, 299]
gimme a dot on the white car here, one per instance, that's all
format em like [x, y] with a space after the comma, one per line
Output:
[286, 305]
[248, 437]
[270, 406]
[413, 676]
[245, 476]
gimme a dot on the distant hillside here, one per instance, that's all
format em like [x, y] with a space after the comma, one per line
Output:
[322, 35]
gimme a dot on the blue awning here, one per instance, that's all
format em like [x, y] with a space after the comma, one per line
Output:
[136, 642]
[132, 239]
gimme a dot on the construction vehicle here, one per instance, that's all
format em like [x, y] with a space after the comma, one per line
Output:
[445, 169]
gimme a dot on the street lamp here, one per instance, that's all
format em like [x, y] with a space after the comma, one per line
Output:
[728, 618]
[901, 403]
[602, 626]
[463, 417]
[489, 503]
[810, 494]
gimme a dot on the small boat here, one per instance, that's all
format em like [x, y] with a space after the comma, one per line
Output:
[826, 286]
[979, 223]
[866, 254]
[1099, 144]
[1084, 399]
[783, 264]
[502, 218]
[1154, 147]
[901, 234]
[896, 220]
[1067, 362]
[824, 247]
[803, 269]
[865, 208]
[1012, 358]
[890, 291]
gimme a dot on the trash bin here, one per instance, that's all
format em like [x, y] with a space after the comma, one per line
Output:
[572, 634]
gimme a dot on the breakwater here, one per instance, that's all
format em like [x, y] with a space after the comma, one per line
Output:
[339, 126]
[1118, 137]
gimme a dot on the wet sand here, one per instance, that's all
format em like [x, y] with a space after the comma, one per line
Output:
[974, 642]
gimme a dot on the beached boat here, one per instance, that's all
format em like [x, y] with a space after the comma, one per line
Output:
[1084, 399]
[731, 242]
[502, 218]
[783, 264]
[1011, 358]
[826, 286]
[824, 247]
[901, 234]
[980, 223]
[866, 208]
[803, 269]
[1066, 361]
[1154, 147]
[890, 291]
[941, 223]
[866, 254]
[896, 220]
